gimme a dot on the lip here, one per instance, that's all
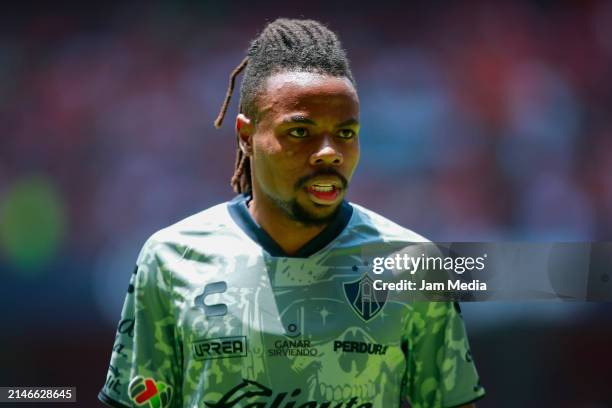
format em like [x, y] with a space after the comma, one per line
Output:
[329, 194]
[320, 180]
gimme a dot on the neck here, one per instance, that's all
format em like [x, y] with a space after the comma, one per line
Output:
[289, 234]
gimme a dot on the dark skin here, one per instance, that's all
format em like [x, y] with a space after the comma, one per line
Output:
[307, 124]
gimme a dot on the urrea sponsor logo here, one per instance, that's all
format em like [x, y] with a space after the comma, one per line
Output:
[222, 347]
[253, 394]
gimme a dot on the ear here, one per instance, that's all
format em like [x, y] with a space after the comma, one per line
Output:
[245, 130]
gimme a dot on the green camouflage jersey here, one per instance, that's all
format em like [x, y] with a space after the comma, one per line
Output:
[218, 316]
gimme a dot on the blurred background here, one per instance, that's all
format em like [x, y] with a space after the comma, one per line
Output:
[481, 121]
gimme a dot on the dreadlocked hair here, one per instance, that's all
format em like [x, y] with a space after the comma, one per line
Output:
[283, 45]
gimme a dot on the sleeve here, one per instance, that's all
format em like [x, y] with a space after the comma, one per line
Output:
[145, 366]
[440, 369]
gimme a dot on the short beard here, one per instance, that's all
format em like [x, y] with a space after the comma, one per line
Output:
[298, 213]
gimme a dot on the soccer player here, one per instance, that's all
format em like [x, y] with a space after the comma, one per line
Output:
[266, 301]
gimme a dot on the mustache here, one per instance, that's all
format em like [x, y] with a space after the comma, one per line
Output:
[322, 172]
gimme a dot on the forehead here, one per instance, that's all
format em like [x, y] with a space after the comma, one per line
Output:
[311, 92]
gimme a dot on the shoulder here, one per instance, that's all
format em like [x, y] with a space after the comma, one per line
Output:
[199, 230]
[368, 223]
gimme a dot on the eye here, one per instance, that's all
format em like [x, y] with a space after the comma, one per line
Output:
[346, 133]
[298, 132]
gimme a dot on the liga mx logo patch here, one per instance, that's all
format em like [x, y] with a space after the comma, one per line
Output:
[362, 297]
[149, 393]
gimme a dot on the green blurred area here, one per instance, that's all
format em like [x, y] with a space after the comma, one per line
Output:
[32, 224]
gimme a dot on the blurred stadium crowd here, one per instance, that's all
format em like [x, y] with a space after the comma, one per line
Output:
[487, 122]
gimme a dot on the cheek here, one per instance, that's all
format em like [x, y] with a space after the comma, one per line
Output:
[275, 167]
[351, 158]
[285, 157]
[267, 156]
[263, 164]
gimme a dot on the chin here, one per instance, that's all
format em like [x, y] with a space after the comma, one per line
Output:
[315, 215]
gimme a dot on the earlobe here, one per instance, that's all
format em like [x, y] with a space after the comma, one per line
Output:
[244, 130]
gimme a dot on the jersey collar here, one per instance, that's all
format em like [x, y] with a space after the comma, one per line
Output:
[241, 216]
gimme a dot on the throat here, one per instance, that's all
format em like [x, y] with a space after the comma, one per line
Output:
[288, 234]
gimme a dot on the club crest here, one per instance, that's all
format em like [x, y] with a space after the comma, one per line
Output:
[362, 297]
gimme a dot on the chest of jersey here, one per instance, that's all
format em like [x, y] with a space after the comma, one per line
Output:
[260, 331]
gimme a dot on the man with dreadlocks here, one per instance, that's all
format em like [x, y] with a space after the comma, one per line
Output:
[265, 301]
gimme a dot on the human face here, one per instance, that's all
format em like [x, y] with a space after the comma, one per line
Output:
[304, 144]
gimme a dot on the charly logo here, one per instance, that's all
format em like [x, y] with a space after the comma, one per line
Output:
[362, 297]
[222, 347]
[155, 394]
[253, 394]
[212, 310]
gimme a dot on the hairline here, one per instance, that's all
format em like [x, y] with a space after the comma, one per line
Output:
[256, 117]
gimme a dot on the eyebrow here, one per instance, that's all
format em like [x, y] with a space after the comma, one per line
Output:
[306, 121]
[350, 122]
[299, 119]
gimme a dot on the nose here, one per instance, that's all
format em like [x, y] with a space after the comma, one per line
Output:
[326, 154]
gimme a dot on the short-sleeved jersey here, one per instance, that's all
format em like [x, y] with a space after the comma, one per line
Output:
[217, 316]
